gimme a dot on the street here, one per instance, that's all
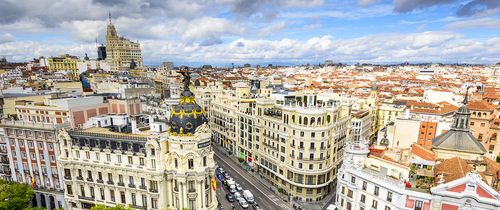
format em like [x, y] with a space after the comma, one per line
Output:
[266, 199]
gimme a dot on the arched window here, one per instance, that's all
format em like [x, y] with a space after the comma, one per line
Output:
[293, 118]
[319, 121]
[300, 119]
[312, 120]
[305, 120]
[328, 118]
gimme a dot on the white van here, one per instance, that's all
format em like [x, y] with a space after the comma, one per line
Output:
[248, 196]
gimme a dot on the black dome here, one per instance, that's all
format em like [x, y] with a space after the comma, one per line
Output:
[187, 115]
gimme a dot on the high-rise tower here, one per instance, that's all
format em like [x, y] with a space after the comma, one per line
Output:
[120, 52]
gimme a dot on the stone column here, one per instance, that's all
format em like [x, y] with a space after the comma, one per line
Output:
[199, 194]
[170, 191]
[184, 194]
[38, 199]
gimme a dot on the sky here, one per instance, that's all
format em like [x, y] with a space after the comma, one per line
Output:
[221, 32]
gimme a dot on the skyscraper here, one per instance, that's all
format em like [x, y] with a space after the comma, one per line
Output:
[120, 52]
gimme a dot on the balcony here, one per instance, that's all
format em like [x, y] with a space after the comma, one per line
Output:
[143, 187]
[110, 182]
[153, 190]
[67, 177]
[79, 178]
[121, 184]
[301, 148]
[90, 179]
[131, 185]
[99, 181]
[86, 198]
[191, 190]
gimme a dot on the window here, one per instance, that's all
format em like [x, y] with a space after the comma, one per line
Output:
[204, 161]
[374, 204]
[69, 189]
[133, 199]
[122, 196]
[387, 208]
[343, 190]
[144, 201]
[349, 193]
[119, 158]
[108, 157]
[389, 196]
[176, 163]
[120, 178]
[131, 180]
[190, 164]
[375, 191]
[418, 205]
[363, 198]
[152, 152]
[103, 197]
[353, 179]
[130, 161]
[112, 194]
[153, 163]
[364, 185]
[110, 177]
[154, 203]
[141, 161]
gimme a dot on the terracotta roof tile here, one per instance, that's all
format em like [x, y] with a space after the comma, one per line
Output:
[452, 169]
[423, 152]
[481, 105]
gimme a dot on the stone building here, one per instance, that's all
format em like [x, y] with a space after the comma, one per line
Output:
[121, 53]
[294, 140]
[143, 168]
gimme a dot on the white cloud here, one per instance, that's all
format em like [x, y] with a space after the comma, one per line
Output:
[273, 28]
[365, 3]
[6, 37]
[475, 23]
[382, 48]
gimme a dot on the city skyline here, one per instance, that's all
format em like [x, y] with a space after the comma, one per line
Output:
[222, 32]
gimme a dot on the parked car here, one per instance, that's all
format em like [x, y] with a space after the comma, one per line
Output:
[243, 203]
[238, 187]
[248, 196]
[230, 197]
[237, 195]
[226, 175]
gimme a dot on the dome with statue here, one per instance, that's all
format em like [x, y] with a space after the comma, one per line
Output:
[187, 115]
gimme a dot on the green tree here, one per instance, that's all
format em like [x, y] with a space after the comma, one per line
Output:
[103, 207]
[15, 196]
[36, 208]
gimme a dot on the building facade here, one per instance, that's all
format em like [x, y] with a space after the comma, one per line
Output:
[33, 150]
[295, 143]
[152, 169]
[121, 52]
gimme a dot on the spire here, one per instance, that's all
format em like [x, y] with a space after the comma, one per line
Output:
[110, 17]
[466, 98]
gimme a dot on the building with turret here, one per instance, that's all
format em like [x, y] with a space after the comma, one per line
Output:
[121, 53]
[140, 162]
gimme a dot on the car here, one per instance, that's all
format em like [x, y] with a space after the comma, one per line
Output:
[233, 190]
[256, 207]
[226, 175]
[243, 203]
[238, 187]
[222, 208]
[230, 197]
[248, 196]
[237, 195]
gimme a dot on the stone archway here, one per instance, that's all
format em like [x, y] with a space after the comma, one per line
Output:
[52, 203]
[43, 202]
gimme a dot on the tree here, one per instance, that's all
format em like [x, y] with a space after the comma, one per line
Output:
[15, 196]
[103, 207]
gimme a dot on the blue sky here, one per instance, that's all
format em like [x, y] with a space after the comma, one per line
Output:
[221, 32]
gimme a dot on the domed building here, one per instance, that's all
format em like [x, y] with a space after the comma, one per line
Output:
[190, 167]
[459, 141]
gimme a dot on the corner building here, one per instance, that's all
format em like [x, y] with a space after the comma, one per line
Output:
[294, 141]
[145, 170]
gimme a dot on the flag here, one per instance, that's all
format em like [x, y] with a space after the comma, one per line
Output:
[33, 183]
[214, 184]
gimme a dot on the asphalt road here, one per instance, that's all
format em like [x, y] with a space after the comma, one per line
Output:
[266, 199]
